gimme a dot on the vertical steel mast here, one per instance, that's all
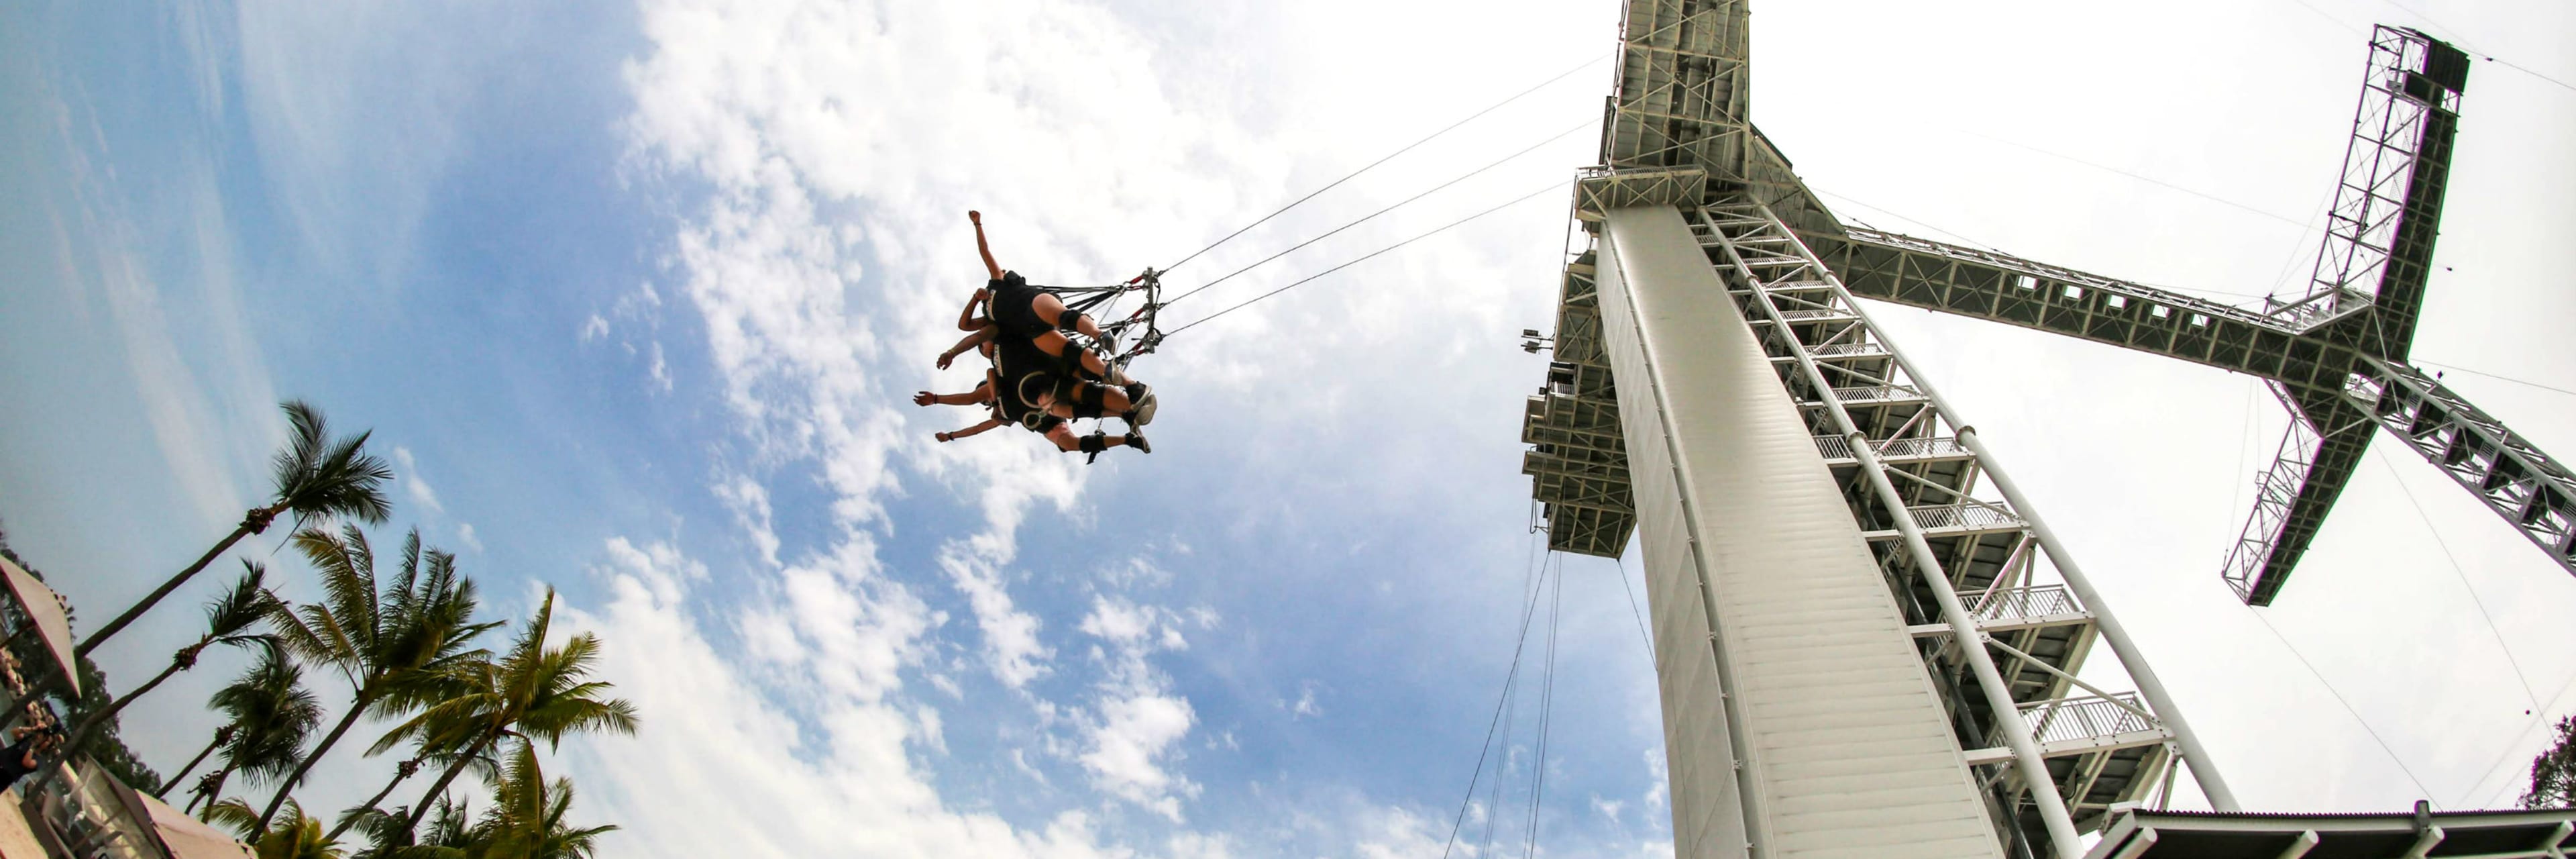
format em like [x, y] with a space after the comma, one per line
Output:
[1867, 640]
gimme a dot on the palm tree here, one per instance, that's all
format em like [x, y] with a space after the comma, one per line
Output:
[296, 837]
[387, 838]
[229, 620]
[393, 645]
[269, 714]
[223, 734]
[317, 477]
[527, 816]
[532, 693]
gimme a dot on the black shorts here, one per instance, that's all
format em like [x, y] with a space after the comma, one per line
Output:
[1015, 307]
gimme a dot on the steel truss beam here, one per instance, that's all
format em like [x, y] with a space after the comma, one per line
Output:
[2359, 312]
[1961, 558]
[2515, 479]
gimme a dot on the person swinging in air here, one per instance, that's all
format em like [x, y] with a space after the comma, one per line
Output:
[1026, 386]
[1017, 311]
[1023, 389]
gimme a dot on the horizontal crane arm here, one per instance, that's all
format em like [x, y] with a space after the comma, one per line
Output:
[2533, 491]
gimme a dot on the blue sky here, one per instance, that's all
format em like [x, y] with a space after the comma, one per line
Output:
[635, 292]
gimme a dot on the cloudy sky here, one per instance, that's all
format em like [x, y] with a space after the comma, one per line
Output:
[634, 293]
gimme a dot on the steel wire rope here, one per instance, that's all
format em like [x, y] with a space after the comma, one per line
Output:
[1937, 228]
[2463, 44]
[2138, 176]
[1650, 34]
[1391, 156]
[1373, 215]
[1642, 635]
[1511, 713]
[2458, 368]
[1370, 255]
[1486, 750]
[2506, 754]
[2463, 576]
[2347, 703]
[1546, 709]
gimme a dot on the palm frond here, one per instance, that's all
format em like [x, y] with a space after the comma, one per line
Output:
[244, 604]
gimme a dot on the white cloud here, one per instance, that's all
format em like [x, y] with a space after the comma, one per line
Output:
[1394, 833]
[749, 502]
[1305, 705]
[465, 536]
[1011, 647]
[718, 769]
[1138, 722]
[594, 328]
[418, 489]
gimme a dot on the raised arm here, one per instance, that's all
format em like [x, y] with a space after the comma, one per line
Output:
[988, 423]
[970, 341]
[966, 319]
[981, 247]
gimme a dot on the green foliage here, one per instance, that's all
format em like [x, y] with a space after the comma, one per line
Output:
[293, 836]
[2553, 773]
[526, 821]
[271, 714]
[394, 640]
[318, 477]
[532, 691]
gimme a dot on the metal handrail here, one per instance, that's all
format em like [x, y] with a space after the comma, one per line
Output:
[2061, 719]
[1877, 394]
[2022, 602]
[1838, 447]
[1938, 516]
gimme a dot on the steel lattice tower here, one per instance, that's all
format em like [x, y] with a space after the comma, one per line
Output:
[1822, 533]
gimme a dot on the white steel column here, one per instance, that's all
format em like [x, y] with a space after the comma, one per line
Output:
[1798, 716]
[2131, 660]
[1963, 627]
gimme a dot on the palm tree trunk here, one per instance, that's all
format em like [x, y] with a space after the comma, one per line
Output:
[117, 625]
[208, 796]
[422, 809]
[400, 773]
[356, 708]
[211, 745]
[91, 725]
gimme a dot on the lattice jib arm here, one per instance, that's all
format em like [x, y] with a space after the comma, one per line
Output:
[2387, 207]
[2002, 288]
[2533, 491]
[2322, 448]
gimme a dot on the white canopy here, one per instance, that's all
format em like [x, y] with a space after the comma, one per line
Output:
[46, 609]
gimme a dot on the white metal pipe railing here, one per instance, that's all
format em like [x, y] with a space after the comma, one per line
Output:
[2202, 770]
[2052, 808]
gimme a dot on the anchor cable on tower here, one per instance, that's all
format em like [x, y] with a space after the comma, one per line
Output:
[1551, 186]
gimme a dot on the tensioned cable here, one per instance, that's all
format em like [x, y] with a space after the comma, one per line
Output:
[2347, 704]
[1511, 695]
[1937, 228]
[1642, 635]
[1648, 37]
[1487, 749]
[1546, 710]
[2463, 44]
[2460, 369]
[1391, 156]
[2537, 717]
[1551, 186]
[1372, 215]
[2140, 177]
[2463, 576]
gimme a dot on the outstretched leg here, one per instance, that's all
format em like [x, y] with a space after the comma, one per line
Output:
[1085, 362]
[1052, 310]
